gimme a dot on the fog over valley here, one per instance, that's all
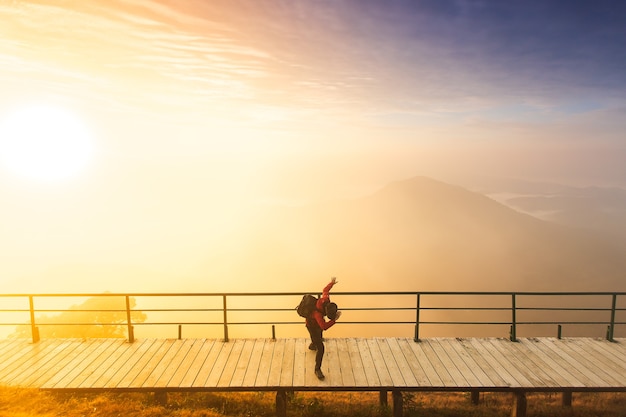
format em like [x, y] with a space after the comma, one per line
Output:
[418, 234]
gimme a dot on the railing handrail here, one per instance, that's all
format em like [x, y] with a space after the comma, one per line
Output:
[203, 294]
[514, 308]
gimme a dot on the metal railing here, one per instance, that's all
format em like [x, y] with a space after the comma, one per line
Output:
[365, 310]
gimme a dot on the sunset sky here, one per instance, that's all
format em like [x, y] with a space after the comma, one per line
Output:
[166, 120]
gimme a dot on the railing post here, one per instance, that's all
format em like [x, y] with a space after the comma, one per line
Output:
[513, 336]
[129, 323]
[416, 338]
[612, 324]
[33, 327]
[225, 320]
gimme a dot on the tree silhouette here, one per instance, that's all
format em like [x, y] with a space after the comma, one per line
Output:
[96, 317]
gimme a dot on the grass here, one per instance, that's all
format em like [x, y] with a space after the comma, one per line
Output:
[17, 402]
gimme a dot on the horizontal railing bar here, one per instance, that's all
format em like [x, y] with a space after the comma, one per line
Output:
[343, 322]
[256, 294]
[182, 310]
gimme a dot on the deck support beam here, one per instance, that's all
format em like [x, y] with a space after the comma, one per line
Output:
[566, 400]
[160, 397]
[382, 395]
[519, 404]
[397, 403]
[281, 403]
[475, 395]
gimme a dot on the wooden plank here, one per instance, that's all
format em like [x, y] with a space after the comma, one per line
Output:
[7, 346]
[131, 370]
[609, 358]
[95, 366]
[561, 375]
[185, 366]
[415, 365]
[477, 362]
[453, 349]
[616, 349]
[299, 364]
[500, 348]
[38, 362]
[85, 367]
[310, 380]
[276, 363]
[56, 363]
[218, 366]
[368, 363]
[448, 363]
[589, 361]
[265, 364]
[287, 367]
[242, 364]
[230, 365]
[197, 364]
[345, 363]
[128, 360]
[391, 363]
[25, 358]
[534, 376]
[564, 363]
[330, 366]
[447, 380]
[14, 349]
[599, 375]
[357, 368]
[617, 370]
[152, 379]
[254, 363]
[151, 364]
[567, 361]
[103, 364]
[379, 363]
[615, 352]
[84, 355]
[431, 374]
[124, 360]
[171, 364]
[501, 366]
[534, 365]
[209, 363]
[401, 362]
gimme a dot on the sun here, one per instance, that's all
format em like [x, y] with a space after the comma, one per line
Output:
[44, 143]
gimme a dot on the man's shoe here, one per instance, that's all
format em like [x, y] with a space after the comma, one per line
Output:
[312, 347]
[319, 374]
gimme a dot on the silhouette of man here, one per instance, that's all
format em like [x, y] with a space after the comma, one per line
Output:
[316, 324]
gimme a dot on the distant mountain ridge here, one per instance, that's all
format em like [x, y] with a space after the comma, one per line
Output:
[601, 209]
[421, 234]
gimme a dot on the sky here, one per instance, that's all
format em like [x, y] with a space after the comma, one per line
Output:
[154, 125]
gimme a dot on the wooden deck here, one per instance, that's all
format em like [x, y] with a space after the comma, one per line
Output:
[351, 364]
[438, 364]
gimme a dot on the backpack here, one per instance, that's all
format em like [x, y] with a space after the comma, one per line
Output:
[306, 306]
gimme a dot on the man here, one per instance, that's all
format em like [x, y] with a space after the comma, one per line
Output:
[316, 324]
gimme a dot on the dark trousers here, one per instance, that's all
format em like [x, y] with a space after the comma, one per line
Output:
[316, 339]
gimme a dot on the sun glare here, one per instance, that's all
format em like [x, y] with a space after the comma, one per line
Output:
[44, 143]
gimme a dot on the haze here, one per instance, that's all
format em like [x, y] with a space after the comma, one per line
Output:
[204, 113]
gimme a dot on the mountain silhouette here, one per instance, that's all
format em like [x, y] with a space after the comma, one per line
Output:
[419, 235]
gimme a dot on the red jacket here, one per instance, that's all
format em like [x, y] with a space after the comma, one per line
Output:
[317, 317]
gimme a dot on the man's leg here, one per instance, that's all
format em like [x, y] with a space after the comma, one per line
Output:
[318, 344]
